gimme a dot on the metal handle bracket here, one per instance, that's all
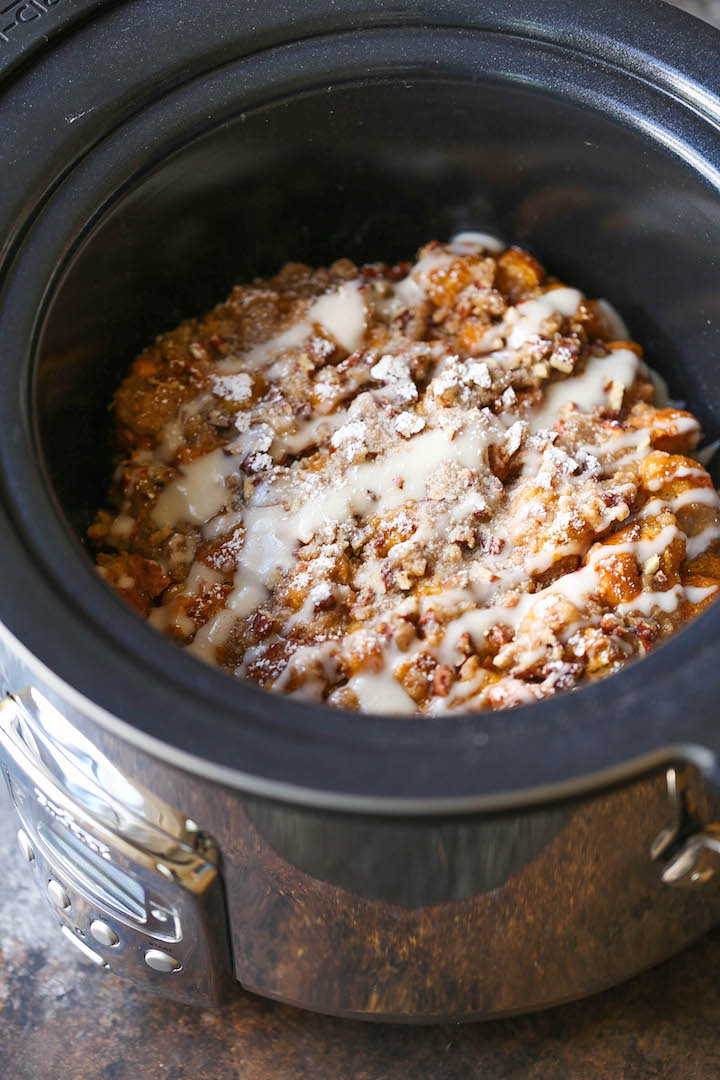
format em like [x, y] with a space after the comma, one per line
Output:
[689, 848]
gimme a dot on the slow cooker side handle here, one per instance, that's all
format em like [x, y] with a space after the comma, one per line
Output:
[688, 847]
[134, 885]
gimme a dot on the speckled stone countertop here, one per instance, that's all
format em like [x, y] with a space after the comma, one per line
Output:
[59, 1018]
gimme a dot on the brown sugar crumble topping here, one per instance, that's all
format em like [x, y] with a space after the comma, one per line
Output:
[436, 486]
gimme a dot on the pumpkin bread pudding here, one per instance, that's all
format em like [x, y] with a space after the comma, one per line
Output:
[440, 485]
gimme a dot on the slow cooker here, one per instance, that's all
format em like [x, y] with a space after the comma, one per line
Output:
[190, 830]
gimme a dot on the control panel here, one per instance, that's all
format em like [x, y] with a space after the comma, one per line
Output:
[134, 886]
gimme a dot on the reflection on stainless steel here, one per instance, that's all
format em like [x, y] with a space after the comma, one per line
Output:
[689, 848]
[680, 822]
[103, 933]
[93, 840]
[92, 779]
[698, 860]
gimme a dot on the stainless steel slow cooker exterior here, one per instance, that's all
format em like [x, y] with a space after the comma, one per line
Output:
[386, 916]
[189, 830]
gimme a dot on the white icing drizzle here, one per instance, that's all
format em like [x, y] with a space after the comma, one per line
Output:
[652, 508]
[469, 242]
[342, 313]
[703, 496]
[380, 692]
[696, 594]
[636, 439]
[614, 320]
[248, 593]
[529, 316]
[544, 559]
[309, 433]
[377, 486]
[173, 434]
[588, 390]
[411, 290]
[646, 602]
[476, 623]
[702, 540]
[122, 526]
[643, 549]
[680, 473]
[679, 425]
[213, 634]
[260, 355]
[198, 493]
[222, 524]
[200, 576]
[685, 470]
[270, 540]
[324, 654]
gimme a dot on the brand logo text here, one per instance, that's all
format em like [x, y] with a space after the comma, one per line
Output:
[13, 17]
